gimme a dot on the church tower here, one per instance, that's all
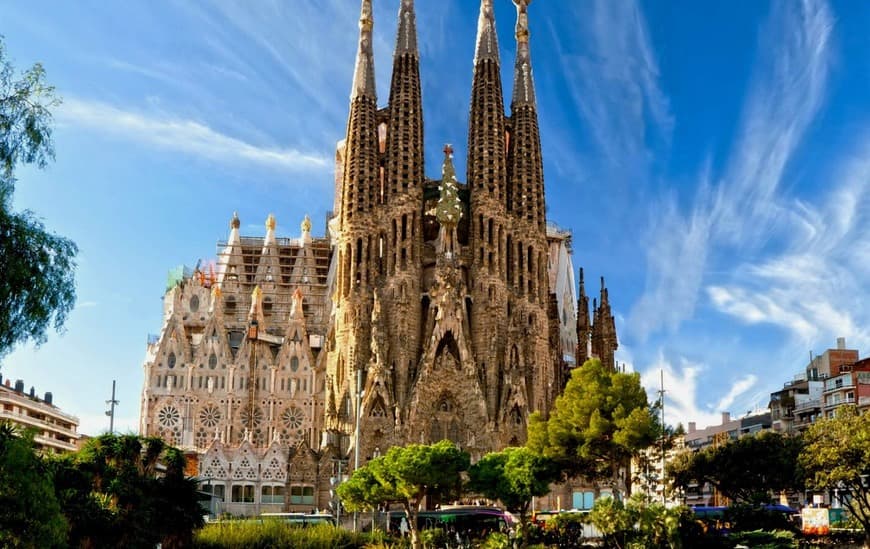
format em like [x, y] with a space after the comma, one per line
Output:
[433, 309]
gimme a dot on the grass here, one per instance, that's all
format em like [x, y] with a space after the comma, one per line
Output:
[239, 534]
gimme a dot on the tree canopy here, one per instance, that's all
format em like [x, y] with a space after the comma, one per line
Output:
[598, 423]
[747, 470]
[127, 491]
[407, 475]
[837, 455]
[30, 515]
[513, 476]
[37, 289]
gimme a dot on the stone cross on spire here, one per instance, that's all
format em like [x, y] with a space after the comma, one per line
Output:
[364, 72]
[487, 39]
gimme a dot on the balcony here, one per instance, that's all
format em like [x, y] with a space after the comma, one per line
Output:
[807, 405]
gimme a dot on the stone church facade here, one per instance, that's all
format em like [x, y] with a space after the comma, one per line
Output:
[431, 309]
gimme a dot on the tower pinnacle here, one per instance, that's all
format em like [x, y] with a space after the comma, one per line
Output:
[524, 86]
[487, 39]
[364, 72]
[406, 38]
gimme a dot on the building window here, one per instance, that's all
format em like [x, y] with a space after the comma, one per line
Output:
[302, 495]
[170, 362]
[294, 364]
[243, 493]
[217, 490]
[272, 494]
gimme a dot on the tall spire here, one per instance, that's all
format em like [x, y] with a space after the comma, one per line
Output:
[364, 73]
[524, 85]
[406, 38]
[487, 39]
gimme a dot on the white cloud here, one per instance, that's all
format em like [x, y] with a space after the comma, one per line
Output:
[614, 79]
[183, 135]
[86, 304]
[742, 210]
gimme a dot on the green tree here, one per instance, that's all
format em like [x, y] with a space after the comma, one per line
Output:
[747, 470]
[37, 289]
[125, 490]
[29, 512]
[599, 422]
[640, 522]
[513, 476]
[837, 456]
[406, 475]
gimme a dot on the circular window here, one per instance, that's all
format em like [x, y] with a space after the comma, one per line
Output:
[294, 363]
[169, 417]
[293, 417]
[210, 416]
[170, 362]
[194, 304]
[254, 419]
[212, 361]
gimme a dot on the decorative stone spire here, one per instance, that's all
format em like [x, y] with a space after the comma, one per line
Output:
[305, 226]
[487, 39]
[584, 324]
[230, 259]
[270, 230]
[296, 311]
[406, 38]
[524, 86]
[604, 341]
[364, 73]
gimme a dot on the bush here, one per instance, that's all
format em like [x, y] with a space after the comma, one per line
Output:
[254, 534]
[760, 539]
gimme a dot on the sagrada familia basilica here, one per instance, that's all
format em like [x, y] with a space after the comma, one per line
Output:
[430, 309]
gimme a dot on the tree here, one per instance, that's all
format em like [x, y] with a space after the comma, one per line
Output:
[599, 422]
[747, 470]
[837, 456]
[406, 475]
[125, 490]
[37, 289]
[640, 522]
[513, 476]
[29, 512]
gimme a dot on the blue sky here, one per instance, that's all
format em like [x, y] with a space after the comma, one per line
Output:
[712, 159]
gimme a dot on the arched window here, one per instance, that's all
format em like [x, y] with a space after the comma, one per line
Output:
[294, 364]
[170, 362]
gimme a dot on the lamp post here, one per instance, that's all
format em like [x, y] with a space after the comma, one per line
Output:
[356, 437]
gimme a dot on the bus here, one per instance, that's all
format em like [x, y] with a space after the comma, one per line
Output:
[469, 521]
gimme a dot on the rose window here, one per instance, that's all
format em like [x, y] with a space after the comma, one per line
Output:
[169, 417]
[293, 418]
[252, 419]
[210, 416]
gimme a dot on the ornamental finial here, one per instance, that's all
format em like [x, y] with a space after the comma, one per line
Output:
[271, 223]
[306, 224]
[235, 223]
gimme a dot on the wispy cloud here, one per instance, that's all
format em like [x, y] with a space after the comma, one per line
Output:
[815, 287]
[184, 135]
[86, 304]
[614, 77]
[740, 210]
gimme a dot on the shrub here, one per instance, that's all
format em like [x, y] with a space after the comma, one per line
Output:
[255, 534]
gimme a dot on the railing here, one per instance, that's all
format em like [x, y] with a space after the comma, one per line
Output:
[807, 405]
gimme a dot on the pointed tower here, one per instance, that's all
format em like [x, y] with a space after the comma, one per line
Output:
[358, 250]
[584, 324]
[230, 263]
[525, 191]
[489, 239]
[400, 239]
[604, 343]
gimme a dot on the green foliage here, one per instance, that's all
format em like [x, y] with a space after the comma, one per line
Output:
[837, 455]
[598, 423]
[639, 523]
[748, 469]
[764, 539]
[112, 494]
[497, 540]
[513, 476]
[37, 289]
[256, 534]
[434, 538]
[406, 475]
[30, 515]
